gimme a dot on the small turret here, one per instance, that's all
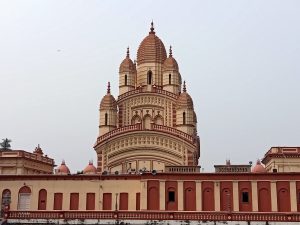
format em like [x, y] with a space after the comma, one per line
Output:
[171, 75]
[127, 75]
[108, 113]
[186, 120]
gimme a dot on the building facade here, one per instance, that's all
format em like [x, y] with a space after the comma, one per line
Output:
[147, 164]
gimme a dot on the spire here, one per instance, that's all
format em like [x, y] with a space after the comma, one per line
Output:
[63, 162]
[152, 28]
[184, 87]
[170, 51]
[108, 88]
[127, 53]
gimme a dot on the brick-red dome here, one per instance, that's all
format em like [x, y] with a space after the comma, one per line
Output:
[63, 169]
[90, 169]
[185, 100]
[108, 101]
[259, 168]
[151, 49]
[127, 64]
[171, 63]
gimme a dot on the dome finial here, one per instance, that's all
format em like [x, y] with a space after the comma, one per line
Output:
[184, 86]
[152, 28]
[108, 88]
[170, 51]
[127, 53]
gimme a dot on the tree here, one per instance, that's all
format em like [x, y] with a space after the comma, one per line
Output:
[5, 145]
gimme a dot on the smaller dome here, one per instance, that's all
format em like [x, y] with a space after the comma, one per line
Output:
[170, 63]
[90, 168]
[185, 100]
[62, 169]
[108, 101]
[259, 168]
[127, 64]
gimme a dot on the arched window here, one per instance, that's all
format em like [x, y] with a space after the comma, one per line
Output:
[149, 77]
[169, 78]
[24, 198]
[6, 197]
[184, 119]
[125, 79]
[106, 118]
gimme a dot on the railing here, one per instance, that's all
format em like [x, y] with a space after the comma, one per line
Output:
[154, 127]
[173, 131]
[28, 155]
[157, 215]
[145, 90]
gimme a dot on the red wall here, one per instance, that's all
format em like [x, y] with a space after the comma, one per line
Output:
[107, 201]
[74, 201]
[153, 195]
[90, 201]
[138, 201]
[245, 186]
[189, 189]
[58, 200]
[283, 196]
[208, 196]
[123, 201]
[171, 186]
[42, 199]
[264, 196]
[226, 196]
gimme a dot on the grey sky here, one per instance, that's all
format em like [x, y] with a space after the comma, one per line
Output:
[240, 60]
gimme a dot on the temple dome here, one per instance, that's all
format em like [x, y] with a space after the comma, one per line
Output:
[259, 168]
[185, 100]
[108, 101]
[151, 49]
[90, 168]
[127, 65]
[170, 63]
[63, 169]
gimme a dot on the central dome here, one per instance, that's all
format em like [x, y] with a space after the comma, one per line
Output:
[151, 49]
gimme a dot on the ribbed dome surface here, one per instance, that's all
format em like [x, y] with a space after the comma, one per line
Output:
[170, 63]
[108, 101]
[185, 100]
[127, 64]
[151, 49]
[90, 169]
[259, 168]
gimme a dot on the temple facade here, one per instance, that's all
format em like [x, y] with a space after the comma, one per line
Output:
[147, 168]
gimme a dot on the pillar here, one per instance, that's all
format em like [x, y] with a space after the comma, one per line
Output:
[217, 195]
[180, 195]
[293, 196]
[254, 196]
[162, 195]
[235, 190]
[198, 196]
[274, 196]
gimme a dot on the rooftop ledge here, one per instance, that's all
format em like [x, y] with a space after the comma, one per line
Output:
[154, 127]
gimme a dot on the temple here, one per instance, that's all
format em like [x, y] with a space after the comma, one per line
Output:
[147, 169]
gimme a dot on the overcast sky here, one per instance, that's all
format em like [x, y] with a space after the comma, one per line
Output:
[240, 59]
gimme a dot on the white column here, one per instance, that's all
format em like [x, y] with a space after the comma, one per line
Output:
[274, 196]
[293, 194]
[254, 196]
[235, 189]
[180, 195]
[198, 196]
[162, 195]
[143, 195]
[217, 195]
[82, 201]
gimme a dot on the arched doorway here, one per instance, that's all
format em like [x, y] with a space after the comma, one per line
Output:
[135, 119]
[42, 199]
[283, 200]
[264, 201]
[208, 200]
[225, 200]
[24, 198]
[149, 77]
[189, 199]
[153, 199]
